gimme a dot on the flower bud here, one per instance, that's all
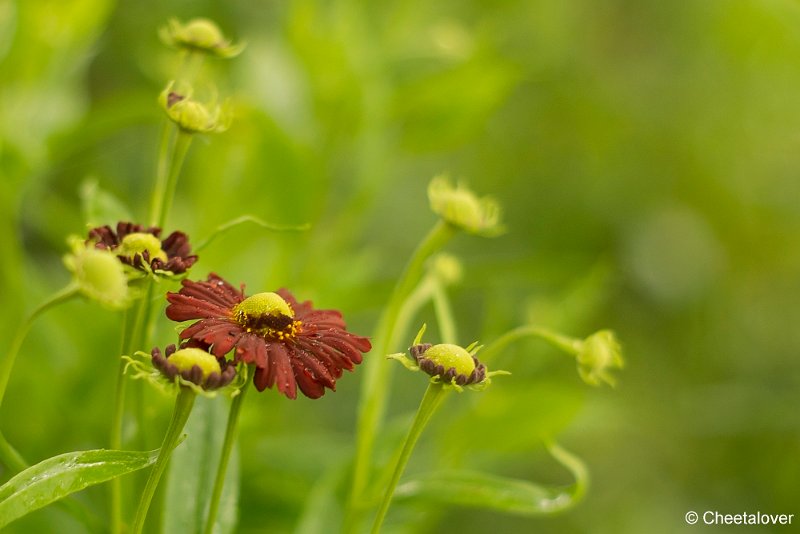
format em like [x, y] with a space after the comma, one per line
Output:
[447, 364]
[200, 35]
[190, 115]
[194, 366]
[99, 274]
[447, 268]
[597, 355]
[461, 208]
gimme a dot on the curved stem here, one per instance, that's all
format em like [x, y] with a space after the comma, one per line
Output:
[374, 390]
[162, 169]
[222, 468]
[183, 407]
[567, 344]
[430, 402]
[8, 362]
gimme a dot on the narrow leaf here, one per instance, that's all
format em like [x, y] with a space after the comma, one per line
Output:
[513, 496]
[191, 472]
[59, 476]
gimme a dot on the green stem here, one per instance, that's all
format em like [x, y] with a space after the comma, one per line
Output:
[444, 314]
[430, 402]
[225, 456]
[183, 407]
[182, 143]
[8, 362]
[375, 385]
[128, 326]
[567, 344]
[162, 168]
[10, 457]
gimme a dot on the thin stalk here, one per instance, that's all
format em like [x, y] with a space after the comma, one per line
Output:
[162, 171]
[375, 387]
[430, 402]
[181, 147]
[225, 456]
[116, 421]
[8, 362]
[10, 457]
[183, 407]
[567, 344]
[444, 314]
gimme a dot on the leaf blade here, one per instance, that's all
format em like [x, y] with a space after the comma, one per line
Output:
[509, 495]
[62, 475]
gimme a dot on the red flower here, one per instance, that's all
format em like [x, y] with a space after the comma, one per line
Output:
[291, 344]
[143, 249]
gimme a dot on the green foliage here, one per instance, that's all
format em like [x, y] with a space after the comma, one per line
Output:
[645, 156]
[59, 476]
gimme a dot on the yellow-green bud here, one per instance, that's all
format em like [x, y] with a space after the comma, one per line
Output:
[185, 359]
[99, 274]
[138, 243]
[460, 207]
[200, 34]
[189, 114]
[451, 357]
[597, 356]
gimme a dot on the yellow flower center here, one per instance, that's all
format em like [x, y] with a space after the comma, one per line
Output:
[138, 243]
[202, 33]
[185, 359]
[451, 356]
[268, 315]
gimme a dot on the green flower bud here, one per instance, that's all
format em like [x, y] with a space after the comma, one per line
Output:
[448, 364]
[190, 115]
[597, 355]
[460, 207]
[99, 274]
[185, 359]
[451, 357]
[201, 35]
[139, 243]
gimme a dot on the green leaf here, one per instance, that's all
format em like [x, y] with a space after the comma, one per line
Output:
[101, 207]
[59, 476]
[193, 467]
[513, 496]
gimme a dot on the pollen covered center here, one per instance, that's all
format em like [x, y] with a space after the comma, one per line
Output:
[451, 356]
[185, 359]
[268, 315]
[138, 243]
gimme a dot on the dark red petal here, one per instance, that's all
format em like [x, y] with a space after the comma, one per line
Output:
[280, 370]
[309, 385]
[183, 308]
[333, 359]
[314, 366]
[350, 345]
[251, 349]
[260, 378]
[176, 244]
[321, 319]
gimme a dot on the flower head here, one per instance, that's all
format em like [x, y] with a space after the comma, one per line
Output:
[201, 35]
[460, 207]
[98, 274]
[143, 250]
[446, 363]
[291, 344]
[190, 115]
[597, 355]
[195, 365]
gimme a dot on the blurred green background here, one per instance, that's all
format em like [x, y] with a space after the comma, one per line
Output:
[645, 153]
